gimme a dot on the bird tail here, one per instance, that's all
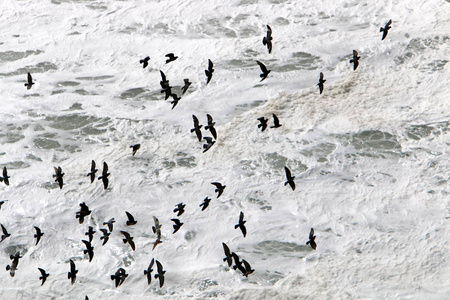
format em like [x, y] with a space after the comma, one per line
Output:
[236, 226]
[264, 40]
[112, 277]
[381, 29]
[286, 183]
[124, 241]
[145, 272]
[8, 267]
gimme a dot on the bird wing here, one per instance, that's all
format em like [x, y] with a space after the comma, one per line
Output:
[355, 53]
[288, 172]
[38, 230]
[126, 234]
[151, 264]
[29, 78]
[262, 66]
[4, 229]
[5, 173]
[241, 217]
[321, 76]
[269, 31]
[160, 267]
[311, 234]
[226, 250]
[210, 119]
[275, 120]
[195, 120]
[87, 243]
[210, 65]
[105, 168]
[163, 76]
[387, 25]
[72, 267]
[247, 265]
[130, 217]
[217, 184]
[169, 55]
[42, 272]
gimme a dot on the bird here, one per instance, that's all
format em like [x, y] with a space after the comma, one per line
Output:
[30, 82]
[205, 203]
[15, 262]
[44, 276]
[58, 176]
[157, 228]
[209, 143]
[119, 276]
[156, 243]
[241, 225]
[289, 178]
[210, 126]
[128, 239]
[93, 171]
[180, 209]
[89, 249]
[237, 263]
[135, 148]
[171, 57]
[276, 122]
[228, 258]
[264, 70]
[104, 176]
[72, 275]
[312, 239]
[197, 128]
[355, 59]
[2, 202]
[321, 82]
[110, 224]
[167, 91]
[160, 274]
[175, 100]
[210, 71]
[38, 234]
[144, 62]
[219, 188]
[105, 236]
[248, 268]
[90, 233]
[5, 176]
[5, 233]
[149, 271]
[385, 29]
[131, 220]
[267, 40]
[263, 123]
[177, 225]
[164, 82]
[84, 212]
[186, 85]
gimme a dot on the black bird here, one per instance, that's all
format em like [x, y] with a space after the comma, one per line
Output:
[219, 188]
[228, 258]
[119, 277]
[210, 71]
[171, 57]
[135, 148]
[30, 82]
[44, 276]
[312, 239]
[241, 224]
[267, 40]
[104, 176]
[90, 233]
[210, 126]
[144, 62]
[276, 122]
[15, 262]
[2, 202]
[5, 176]
[289, 178]
[205, 203]
[355, 59]
[180, 209]
[72, 275]
[5, 233]
[264, 70]
[38, 234]
[209, 143]
[160, 274]
[321, 82]
[177, 225]
[164, 82]
[93, 171]
[149, 271]
[58, 176]
[167, 91]
[248, 268]
[237, 263]
[84, 212]
[187, 83]
[105, 236]
[128, 239]
[89, 249]
[175, 100]
[263, 123]
[131, 220]
[385, 29]
[110, 224]
[197, 128]
[157, 230]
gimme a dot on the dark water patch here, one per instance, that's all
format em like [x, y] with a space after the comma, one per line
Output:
[75, 106]
[56, 92]
[185, 160]
[433, 66]
[430, 131]
[248, 167]
[277, 247]
[247, 2]
[33, 157]
[372, 143]
[206, 283]
[162, 28]
[275, 160]
[241, 108]
[17, 165]
[321, 151]
[93, 78]
[256, 197]
[67, 83]
[10, 137]
[46, 143]
[303, 60]
[83, 92]
[38, 68]
[75, 121]
[13, 249]
[250, 53]
[13, 55]
[214, 27]
[281, 21]
[419, 45]
[132, 93]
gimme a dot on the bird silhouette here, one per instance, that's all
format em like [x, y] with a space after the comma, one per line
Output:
[175, 100]
[210, 126]
[241, 225]
[276, 122]
[177, 225]
[196, 128]
[58, 176]
[160, 274]
[44, 276]
[144, 62]
[355, 60]
[205, 203]
[5, 177]
[119, 276]
[312, 239]
[228, 258]
[248, 268]
[30, 82]
[321, 82]
[164, 82]
[179, 208]
[84, 212]
[149, 271]
[128, 239]
[110, 224]
[2, 202]
[89, 250]
[72, 275]
[237, 263]
[135, 148]
[105, 175]
[263, 123]
[105, 236]
[289, 178]
[38, 234]
[171, 57]
[385, 29]
[210, 71]
[219, 188]
[187, 83]
[131, 220]
[15, 262]
[208, 144]
[93, 171]
[267, 40]
[264, 70]
[5, 234]
[90, 233]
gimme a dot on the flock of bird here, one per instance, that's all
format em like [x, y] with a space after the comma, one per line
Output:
[120, 275]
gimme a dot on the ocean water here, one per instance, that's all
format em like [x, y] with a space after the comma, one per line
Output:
[370, 154]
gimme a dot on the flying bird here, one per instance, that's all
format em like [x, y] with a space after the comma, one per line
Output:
[264, 70]
[241, 225]
[321, 82]
[164, 82]
[210, 71]
[30, 82]
[263, 123]
[160, 274]
[355, 60]
[131, 220]
[104, 176]
[135, 148]
[157, 230]
[110, 224]
[210, 126]
[58, 176]
[5, 233]
[177, 225]
[2, 202]
[93, 171]
[38, 234]
[237, 263]
[90, 233]
[171, 57]
[149, 271]
[209, 143]
[312, 239]
[197, 128]
[219, 188]
[179, 208]
[276, 122]
[385, 29]
[289, 178]
[5, 176]
[128, 239]
[84, 212]
[105, 236]
[119, 276]
[187, 83]
[15, 262]
[267, 40]
[44, 276]
[175, 100]
[205, 203]
[89, 249]
[228, 258]
[248, 268]
[72, 275]
[144, 62]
